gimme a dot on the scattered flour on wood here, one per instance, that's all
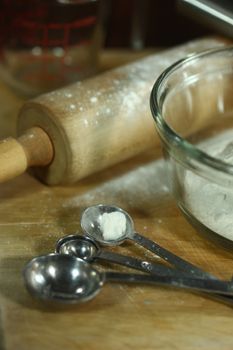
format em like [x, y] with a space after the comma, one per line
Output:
[93, 99]
[142, 188]
[72, 106]
[68, 94]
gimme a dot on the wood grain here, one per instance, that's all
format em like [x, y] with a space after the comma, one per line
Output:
[33, 216]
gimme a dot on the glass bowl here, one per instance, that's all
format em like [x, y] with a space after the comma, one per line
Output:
[192, 105]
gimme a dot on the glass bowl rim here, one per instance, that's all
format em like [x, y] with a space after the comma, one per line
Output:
[167, 133]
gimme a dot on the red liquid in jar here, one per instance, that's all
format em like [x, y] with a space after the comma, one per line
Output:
[47, 44]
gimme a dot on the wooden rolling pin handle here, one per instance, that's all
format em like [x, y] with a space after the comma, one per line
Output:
[33, 148]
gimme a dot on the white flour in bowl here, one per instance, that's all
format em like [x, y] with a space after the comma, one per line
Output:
[211, 203]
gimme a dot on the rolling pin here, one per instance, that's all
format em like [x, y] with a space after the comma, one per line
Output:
[70, 133]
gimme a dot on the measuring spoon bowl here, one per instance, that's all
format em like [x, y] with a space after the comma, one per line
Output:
[62, 278]
[82, 247]
[85, 248]
[68, 279]
[91, 225]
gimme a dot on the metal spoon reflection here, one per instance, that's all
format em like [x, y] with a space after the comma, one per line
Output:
[67, 279]
[87, 249]
[91, 225]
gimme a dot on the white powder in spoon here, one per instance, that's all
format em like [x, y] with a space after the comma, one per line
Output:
[113, 225]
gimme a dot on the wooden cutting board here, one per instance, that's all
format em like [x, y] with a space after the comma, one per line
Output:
[33, 216]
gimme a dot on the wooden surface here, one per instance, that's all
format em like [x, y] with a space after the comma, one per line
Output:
[33, 216]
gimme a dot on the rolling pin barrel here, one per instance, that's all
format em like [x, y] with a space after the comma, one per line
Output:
[96, 123]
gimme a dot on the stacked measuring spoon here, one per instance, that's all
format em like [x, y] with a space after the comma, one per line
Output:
[67, 275]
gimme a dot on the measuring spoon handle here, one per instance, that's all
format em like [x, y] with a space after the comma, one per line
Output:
[204, 285]
[141, 265]
[171, 258]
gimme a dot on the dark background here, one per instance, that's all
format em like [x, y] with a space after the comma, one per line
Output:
[154, 22]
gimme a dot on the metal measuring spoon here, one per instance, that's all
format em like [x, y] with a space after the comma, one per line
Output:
[68, 279]
[87, 249]
[91, 225]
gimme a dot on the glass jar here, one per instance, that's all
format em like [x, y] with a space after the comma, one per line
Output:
[46, 44]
